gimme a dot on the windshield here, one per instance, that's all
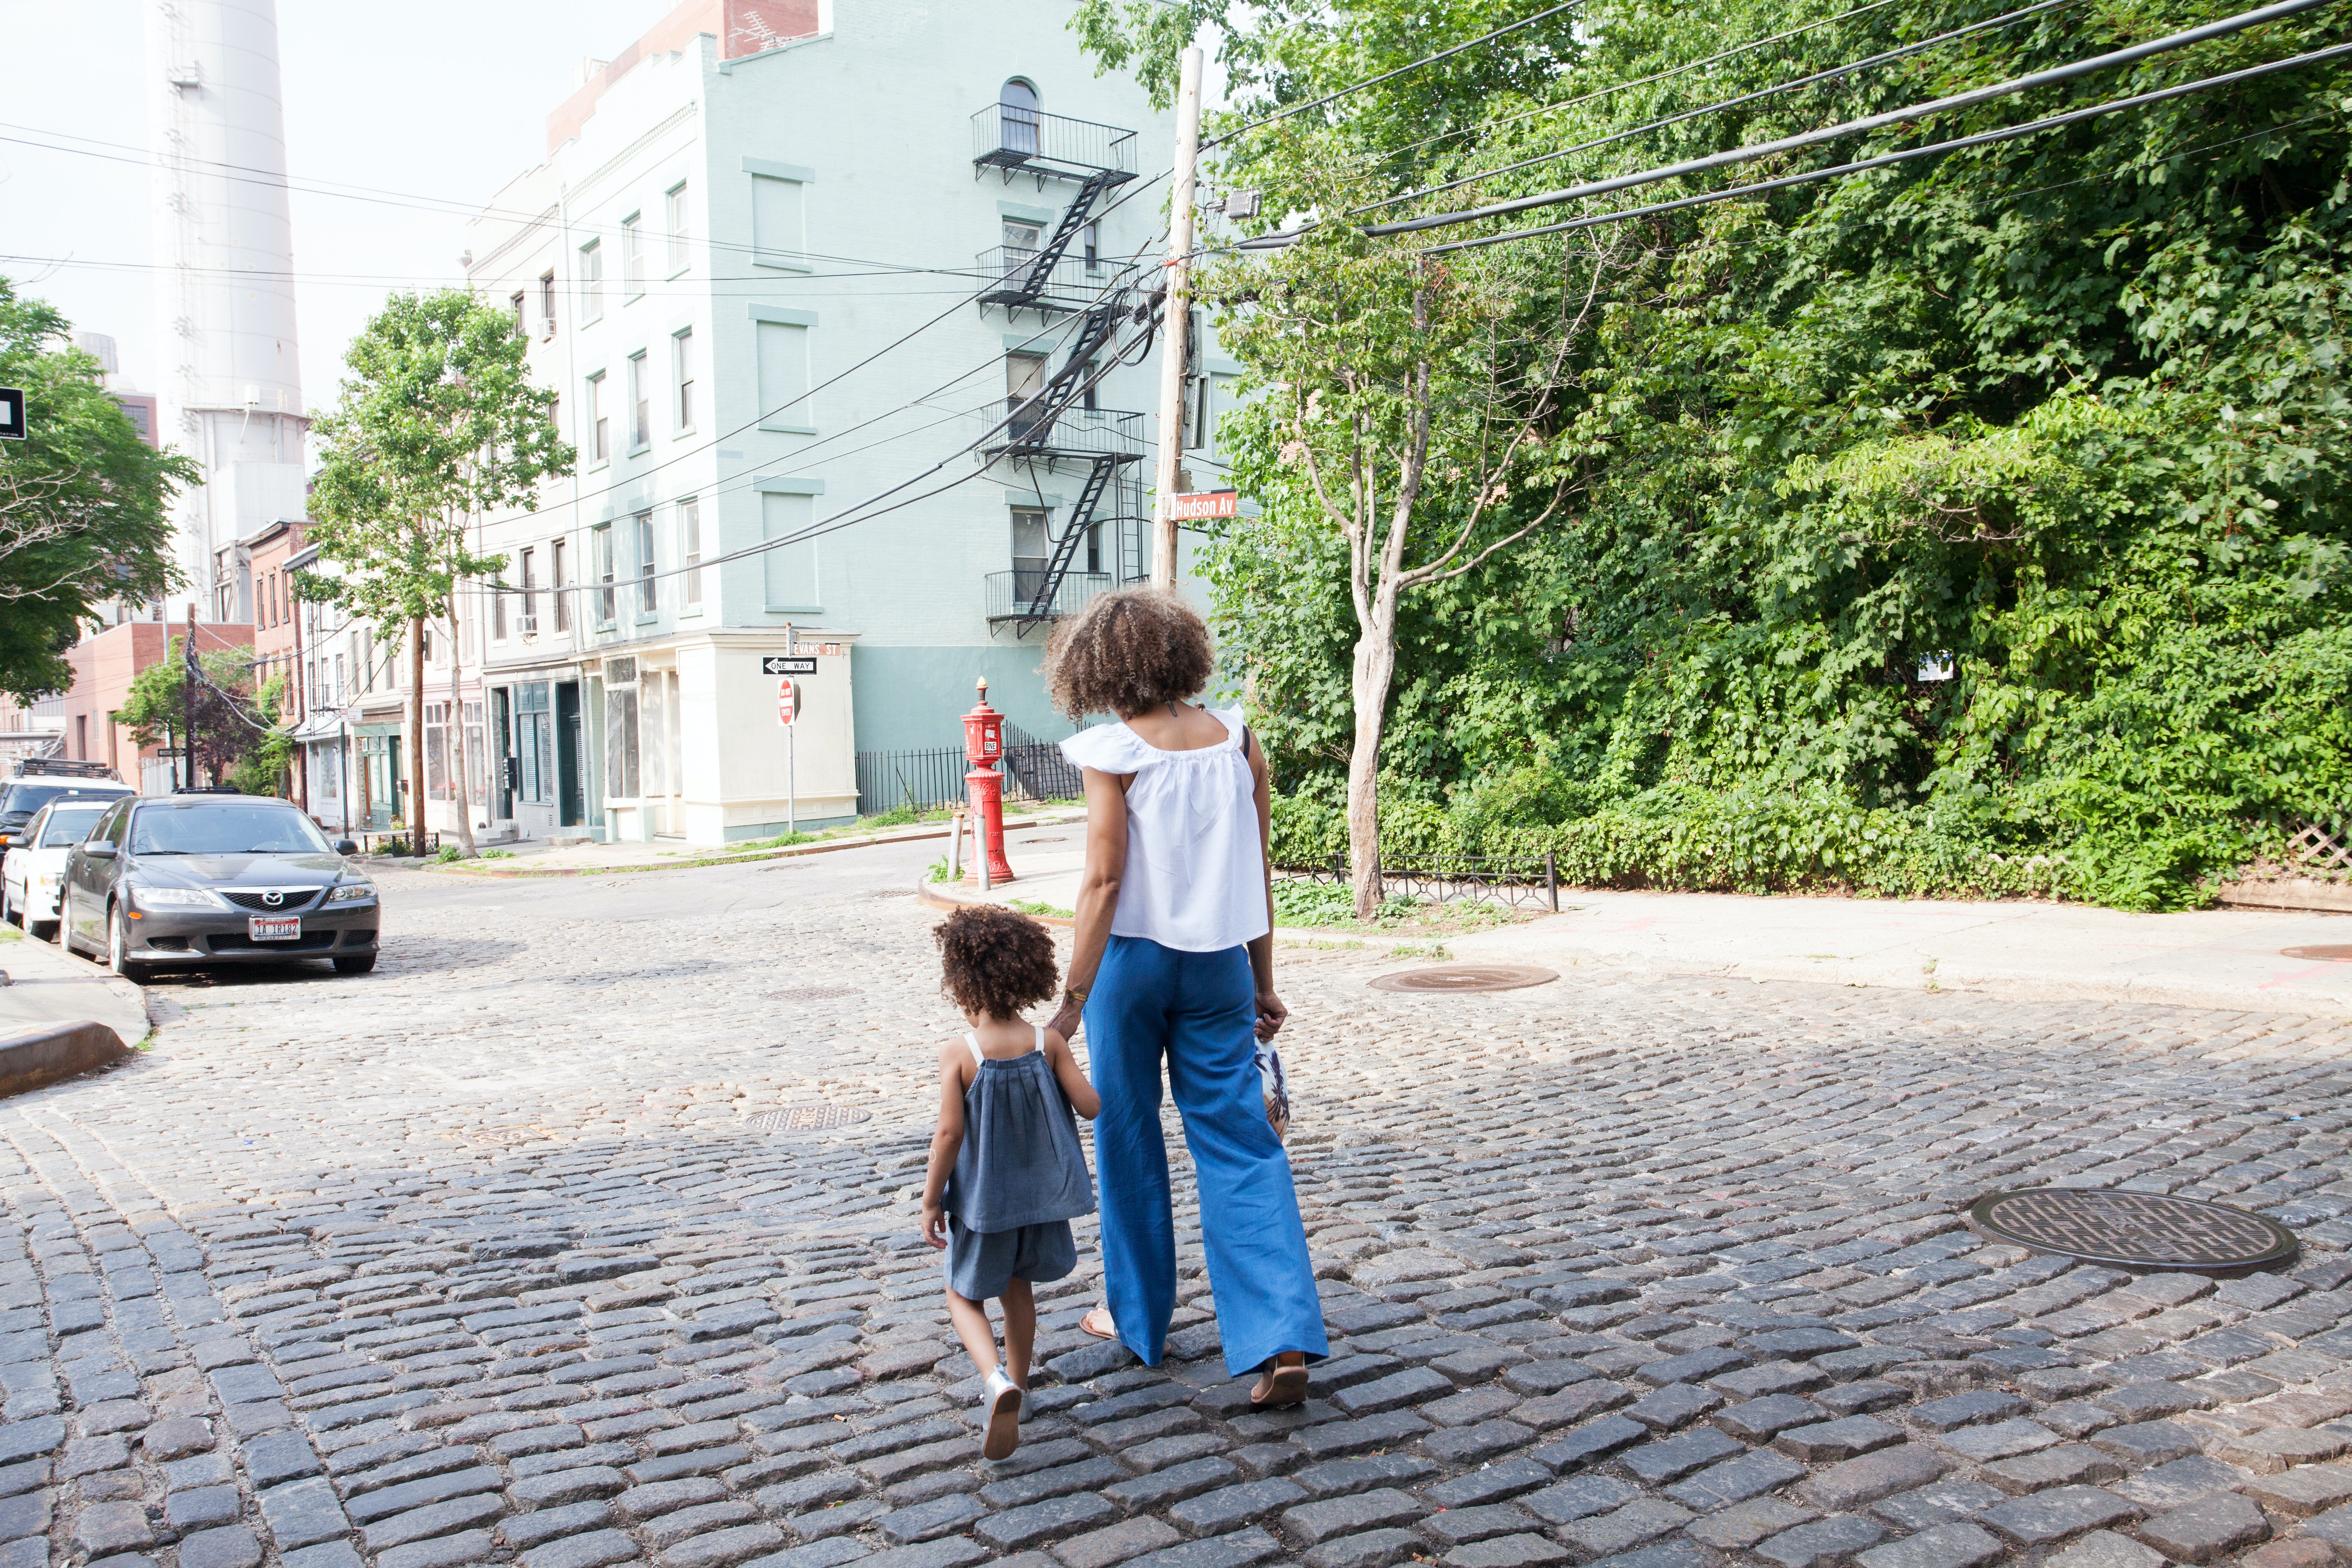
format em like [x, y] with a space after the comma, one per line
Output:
[69, 825]
[224, 830]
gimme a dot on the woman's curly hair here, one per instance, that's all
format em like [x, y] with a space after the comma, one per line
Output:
[995, 960]
[1127, 653]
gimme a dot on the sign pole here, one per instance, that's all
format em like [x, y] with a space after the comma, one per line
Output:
[1176, 321]
[792, 745]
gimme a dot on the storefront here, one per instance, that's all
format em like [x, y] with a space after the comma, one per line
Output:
[543, 778]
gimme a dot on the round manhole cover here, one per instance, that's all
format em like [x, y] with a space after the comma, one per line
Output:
[808, 1119]
[2134, 1230]
[813, 993]
[1026, 842]
[1464, 977]
[2333, 952]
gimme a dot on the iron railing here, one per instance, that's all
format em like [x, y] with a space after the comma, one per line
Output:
[1014, 594]
[1034, 770]
[1516, 880]
[1063, 283]
[1029, 431]
[1005, 136]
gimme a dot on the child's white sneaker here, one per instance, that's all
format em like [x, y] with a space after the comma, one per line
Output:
[1003, 1398]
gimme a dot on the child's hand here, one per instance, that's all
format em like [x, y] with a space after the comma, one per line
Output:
[935, 1225]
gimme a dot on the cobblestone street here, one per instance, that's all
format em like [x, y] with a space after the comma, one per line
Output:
[477, 1259]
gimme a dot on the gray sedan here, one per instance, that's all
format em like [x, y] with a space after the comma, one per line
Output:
[214, 878]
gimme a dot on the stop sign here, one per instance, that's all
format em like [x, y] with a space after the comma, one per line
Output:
[788, 702]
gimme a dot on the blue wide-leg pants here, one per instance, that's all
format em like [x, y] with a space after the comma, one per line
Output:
[1198, 1010]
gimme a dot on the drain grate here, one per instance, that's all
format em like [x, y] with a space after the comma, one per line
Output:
[893, 893]
[2332, 953]
[2134, 1230]
[813, 993]
[1026, 842]
[1464, 977]
[807, 1119]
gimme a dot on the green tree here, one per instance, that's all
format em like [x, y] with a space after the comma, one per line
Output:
[230, 725]
[84, 502]
[437, 422]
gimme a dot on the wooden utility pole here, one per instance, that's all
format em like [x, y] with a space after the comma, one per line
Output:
[188, 693]
[1176, 321]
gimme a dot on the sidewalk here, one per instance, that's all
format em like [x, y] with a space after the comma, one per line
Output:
[2025, 952]
[45, 986]
[539, 858]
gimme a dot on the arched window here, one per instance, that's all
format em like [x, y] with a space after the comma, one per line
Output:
[1016, 107]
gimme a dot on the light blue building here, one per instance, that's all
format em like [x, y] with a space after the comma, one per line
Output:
[785, 263]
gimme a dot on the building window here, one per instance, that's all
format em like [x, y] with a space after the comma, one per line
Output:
[690, 551]
[498, 616]
[1094, 246]
[533, 744]
[779, 221]
[363, 660]
[681, 360]
[592, 280]
[1025, 378]
[522, 315]
[641, 408]
[633, 256]
[1033, 553]
[674, 210]
[555, 581]
[607, 606]
[648, 590]
[339, 696]
[601, 439]
[1016, 116]
[547, 303]
[1196, 413]
[529, 600]
[436, 752]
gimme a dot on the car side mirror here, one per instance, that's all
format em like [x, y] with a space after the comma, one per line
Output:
[102, 848]
[345, 846]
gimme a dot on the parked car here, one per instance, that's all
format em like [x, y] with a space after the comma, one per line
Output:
[41, 779]
[212, 879]
[32, 871]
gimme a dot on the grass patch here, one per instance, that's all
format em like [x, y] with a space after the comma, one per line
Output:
[940, 871]
[1333, 904]
[1039, 907]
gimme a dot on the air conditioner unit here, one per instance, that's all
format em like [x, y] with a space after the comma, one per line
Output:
[529, 624]
[547, 328]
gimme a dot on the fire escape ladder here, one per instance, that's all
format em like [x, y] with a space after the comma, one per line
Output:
[1034, 283]
[1037, 418]
[1066, 549]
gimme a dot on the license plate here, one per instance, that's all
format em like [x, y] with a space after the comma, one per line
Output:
[275, 928]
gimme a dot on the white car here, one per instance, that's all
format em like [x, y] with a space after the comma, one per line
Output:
[30, 874]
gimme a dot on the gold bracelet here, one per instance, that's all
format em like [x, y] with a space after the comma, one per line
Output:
[1073, 995]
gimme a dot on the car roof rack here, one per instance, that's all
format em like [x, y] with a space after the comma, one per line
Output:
[207, 789]
[65, 767]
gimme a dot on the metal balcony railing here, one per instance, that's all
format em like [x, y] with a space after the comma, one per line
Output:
[1065, 283]
[1007, 137]
[1079, 433]
[1014, 596]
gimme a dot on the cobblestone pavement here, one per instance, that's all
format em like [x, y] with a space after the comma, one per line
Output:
[477, 1259]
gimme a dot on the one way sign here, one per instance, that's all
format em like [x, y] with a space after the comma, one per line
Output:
[12, 414]
[788, 664]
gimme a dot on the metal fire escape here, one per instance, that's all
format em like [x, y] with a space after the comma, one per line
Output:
[1012, 139]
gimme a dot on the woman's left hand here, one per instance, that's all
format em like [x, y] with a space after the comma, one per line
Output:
[1065, 1021]
[1271, 1014]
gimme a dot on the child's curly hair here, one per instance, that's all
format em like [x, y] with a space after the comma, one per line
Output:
[995, 960]
[1127, 653]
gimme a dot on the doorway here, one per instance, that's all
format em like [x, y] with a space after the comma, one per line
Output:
[572, 799]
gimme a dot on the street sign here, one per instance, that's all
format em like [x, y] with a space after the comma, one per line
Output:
[12, 414]
[788, 702]
[787, 663]
[1204, 504]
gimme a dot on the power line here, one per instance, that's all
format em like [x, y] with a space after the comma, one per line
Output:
[1833, 73]
[1945, 105]
[1981, 139]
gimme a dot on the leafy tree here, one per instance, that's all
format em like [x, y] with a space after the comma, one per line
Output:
[437, 422]
[84, 502]
[231, 725]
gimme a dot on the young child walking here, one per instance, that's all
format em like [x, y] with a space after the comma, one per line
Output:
[1006, 1175]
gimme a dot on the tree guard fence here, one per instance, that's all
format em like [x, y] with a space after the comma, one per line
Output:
[1517, 882]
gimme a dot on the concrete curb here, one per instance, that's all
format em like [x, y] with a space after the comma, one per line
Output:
[44, 1053]
[720, 857]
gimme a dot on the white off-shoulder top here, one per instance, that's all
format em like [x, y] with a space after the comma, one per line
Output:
[1195, 876]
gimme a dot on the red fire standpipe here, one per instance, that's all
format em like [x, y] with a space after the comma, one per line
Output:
[983, 748]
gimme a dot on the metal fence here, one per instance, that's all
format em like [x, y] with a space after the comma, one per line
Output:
[1015, 594]
[1034, 770]
[1519, 881]
[1009, 137]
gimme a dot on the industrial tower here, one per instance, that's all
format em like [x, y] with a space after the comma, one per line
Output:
[231, 381]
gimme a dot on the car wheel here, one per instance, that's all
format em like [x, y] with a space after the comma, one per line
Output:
[9, 910]
[118, 945]
[358, 963]
[42, 931]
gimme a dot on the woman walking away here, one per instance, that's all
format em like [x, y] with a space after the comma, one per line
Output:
[1174, 959]
[1007, 1176]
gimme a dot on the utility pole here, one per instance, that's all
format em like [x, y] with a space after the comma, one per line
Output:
[1176, 321]
[188, 693]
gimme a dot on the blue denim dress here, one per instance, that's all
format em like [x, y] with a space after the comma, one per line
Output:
[1019, 1179]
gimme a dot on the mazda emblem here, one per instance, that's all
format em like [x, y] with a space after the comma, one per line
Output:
[273, 897]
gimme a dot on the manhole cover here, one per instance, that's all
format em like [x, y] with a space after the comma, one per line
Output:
[1464, 977]
[807, 1119]
[1029, 841]
[2336, 953]
[894, 893]
[813, 993]
[2135, 1230]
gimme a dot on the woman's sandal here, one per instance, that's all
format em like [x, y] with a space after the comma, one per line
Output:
[1100, 1323]
[1284, 1382]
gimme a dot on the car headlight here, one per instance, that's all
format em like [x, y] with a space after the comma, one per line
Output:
[174, 898]
[351, 893]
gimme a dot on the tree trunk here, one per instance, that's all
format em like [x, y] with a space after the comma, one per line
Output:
[414, 809]
[458, 739]
[1375, 667]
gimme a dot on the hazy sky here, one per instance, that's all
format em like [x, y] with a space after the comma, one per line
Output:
[439, 98]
